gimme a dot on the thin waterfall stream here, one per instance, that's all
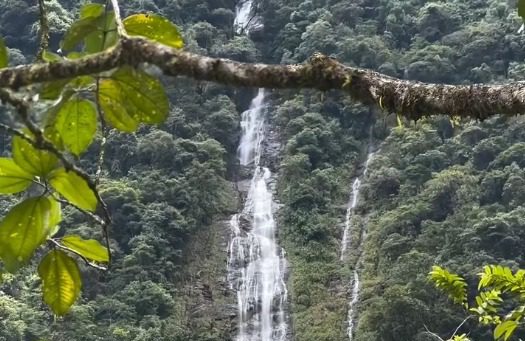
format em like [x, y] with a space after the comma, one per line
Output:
[346, 240]
[256, 264]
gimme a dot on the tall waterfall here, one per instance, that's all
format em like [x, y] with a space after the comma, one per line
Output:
[354, 199]
[256, 265]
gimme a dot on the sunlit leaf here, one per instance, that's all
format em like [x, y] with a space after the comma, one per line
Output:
[35, 161]
[154, 27]
[4, 58]
[131, 97]
[90, 249]
[13, 179]
[48, 56]
[25, 228]
[76, 123]
[61, 282]
[74, 188]
[91, 11]
[55, 217]
[78, 31]
[505, 329]
[105, 35]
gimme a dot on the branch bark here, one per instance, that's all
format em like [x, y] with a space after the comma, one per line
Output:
[410, 99]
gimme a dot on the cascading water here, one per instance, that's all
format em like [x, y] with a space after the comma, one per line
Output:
[256, 265]
[242, 15]
[354, 296]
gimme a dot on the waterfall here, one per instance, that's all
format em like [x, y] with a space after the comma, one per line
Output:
[256, 265]
[352, 203]
[242, 16]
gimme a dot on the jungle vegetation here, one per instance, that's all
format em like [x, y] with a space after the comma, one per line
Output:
[94, 176]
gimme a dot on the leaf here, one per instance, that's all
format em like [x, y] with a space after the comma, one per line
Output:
[25, 228]
[61, 281]
[91, 10]
[38, 162]
[4, 56]
[131, 97]
[50, 56]
[90, 249]
[98, 41]
[78, 31]
[13, 179]
[96, 29]
[53, 90]
[505, 329]
[74, 188]
[154, 27]
[521, 9]
[76, 123]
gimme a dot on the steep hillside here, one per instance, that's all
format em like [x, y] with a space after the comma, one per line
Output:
[435, 191]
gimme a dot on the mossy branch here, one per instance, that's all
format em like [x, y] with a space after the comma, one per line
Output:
[411, 99]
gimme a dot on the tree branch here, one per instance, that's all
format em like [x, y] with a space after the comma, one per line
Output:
[410, 99]
[44, 30]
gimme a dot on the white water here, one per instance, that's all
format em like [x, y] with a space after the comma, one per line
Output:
[242, 16]
[256, 265]
[354, 199]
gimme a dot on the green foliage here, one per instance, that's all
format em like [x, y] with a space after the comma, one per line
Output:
[76, 124]
[90, 249]
[521, 9]
[452, 284]
[36, 161]
[61, 281]
[130, 97]
[154, 27]
[498, 289]
[74, 188]
[25, 228]
[4, 58]
[13, 179]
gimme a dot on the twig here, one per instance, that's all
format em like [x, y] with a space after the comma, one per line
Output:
[433, 334]
[461, 325]
[44, 31]
[118, 19]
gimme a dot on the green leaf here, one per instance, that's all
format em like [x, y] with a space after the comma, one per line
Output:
[91, 10]
[61, 281]
[4, 57]
[96, 29]
[25, 228]
[521, 9]
[78, 31]
[13, 179]
[74, 188]
[90, 249]
[154, 27]
[53, 90]
[55, 217]
[505, 329]
[131, 97]
[51, 57]
[38, 162]
[76, 123]
[98, 41]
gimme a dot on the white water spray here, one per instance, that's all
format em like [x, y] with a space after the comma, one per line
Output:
[354, 199]
[256, 264]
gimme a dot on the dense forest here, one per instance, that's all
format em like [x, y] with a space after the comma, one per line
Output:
[435, 192]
